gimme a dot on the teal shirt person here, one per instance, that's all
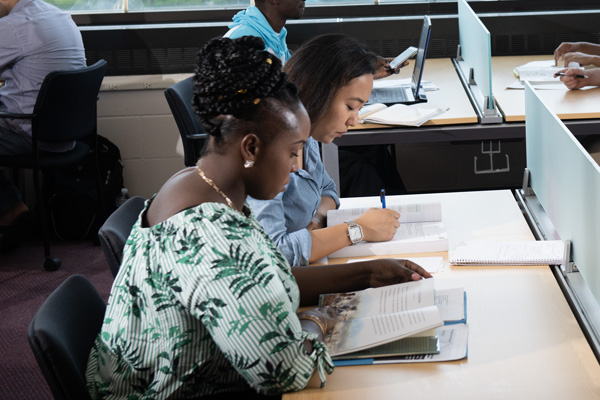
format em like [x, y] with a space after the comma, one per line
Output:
[252, 22]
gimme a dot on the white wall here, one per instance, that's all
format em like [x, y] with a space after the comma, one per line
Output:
[133, 113]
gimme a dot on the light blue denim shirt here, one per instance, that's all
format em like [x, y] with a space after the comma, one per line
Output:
[286, 217]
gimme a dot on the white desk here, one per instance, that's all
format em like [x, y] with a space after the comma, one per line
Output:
[524, 342]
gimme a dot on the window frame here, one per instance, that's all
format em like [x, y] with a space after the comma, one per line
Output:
[332, 11]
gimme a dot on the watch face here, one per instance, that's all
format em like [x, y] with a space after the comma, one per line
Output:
[355, 233]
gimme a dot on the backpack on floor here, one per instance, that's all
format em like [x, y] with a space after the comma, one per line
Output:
[72, 197]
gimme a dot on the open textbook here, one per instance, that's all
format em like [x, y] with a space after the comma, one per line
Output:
[401, 114]
[540, 74]
[421, 230]
[378, 316]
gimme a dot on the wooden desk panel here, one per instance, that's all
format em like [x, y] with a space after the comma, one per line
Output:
[567, 104]
[451, 93]
[524, 342]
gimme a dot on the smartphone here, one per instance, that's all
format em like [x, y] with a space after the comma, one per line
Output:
[405, 55]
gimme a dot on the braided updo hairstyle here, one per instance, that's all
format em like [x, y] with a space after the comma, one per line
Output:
[239, 85]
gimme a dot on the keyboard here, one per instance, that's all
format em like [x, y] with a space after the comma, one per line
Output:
[401, 94]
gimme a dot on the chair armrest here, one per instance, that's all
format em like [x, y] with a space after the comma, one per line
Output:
[16, 115]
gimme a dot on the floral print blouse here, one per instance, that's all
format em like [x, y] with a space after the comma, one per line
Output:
[203, 303]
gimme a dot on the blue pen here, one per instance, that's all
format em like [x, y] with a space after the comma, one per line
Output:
[382, 197]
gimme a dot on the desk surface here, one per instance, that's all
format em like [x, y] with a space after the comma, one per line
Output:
[524, 342]
[567, 104]
[451, 93]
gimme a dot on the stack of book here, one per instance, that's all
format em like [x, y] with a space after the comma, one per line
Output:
[409, 322]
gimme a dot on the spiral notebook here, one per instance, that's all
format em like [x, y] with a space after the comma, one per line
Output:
[542, 252]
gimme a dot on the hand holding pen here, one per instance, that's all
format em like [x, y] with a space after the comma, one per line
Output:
[379, 224]
[576, 75]
[573, 78]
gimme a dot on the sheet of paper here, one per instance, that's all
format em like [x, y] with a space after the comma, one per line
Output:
[540, 74]
[518, 85]
[451, 303]
[430, 264]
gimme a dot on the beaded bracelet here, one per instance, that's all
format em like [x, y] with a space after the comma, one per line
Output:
[315, 319]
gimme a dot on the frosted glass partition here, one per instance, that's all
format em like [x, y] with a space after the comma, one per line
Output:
[475, 61]
[566, 181]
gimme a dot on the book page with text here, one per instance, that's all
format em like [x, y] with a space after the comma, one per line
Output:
[422, 212]
[380, 315]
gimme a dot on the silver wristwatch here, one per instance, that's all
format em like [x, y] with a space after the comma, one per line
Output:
[355, 232]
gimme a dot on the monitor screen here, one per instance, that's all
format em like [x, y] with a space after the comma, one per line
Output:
[421, 54]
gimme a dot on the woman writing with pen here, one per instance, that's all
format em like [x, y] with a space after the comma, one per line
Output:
[583, 53]
[334, 74]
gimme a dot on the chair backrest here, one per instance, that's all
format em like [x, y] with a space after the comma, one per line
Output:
[61, 335]
[193, 136]
[114, 232]
[65, 108]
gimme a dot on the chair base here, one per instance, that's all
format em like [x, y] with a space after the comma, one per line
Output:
[51, 264]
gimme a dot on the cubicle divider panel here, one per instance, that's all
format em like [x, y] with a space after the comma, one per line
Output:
[476, 48]
[566, 181]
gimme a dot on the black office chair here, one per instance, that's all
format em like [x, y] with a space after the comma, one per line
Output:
[61, 335]
[114, 232]
[179, 97]
[65, 110]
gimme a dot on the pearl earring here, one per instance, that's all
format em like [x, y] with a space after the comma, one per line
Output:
[248, 164]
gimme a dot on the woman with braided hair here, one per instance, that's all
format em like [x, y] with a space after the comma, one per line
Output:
[204, 304]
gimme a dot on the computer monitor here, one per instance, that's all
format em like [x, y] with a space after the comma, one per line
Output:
[417, 74]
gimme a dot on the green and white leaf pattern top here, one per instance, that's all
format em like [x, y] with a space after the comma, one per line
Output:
[203, 303]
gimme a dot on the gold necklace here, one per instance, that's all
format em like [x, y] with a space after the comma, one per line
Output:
[214, 186]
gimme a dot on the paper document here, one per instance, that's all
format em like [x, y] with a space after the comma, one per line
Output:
[421, 230]
[429, 264]
[418, 212]
[540, 74]
[452, 304]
